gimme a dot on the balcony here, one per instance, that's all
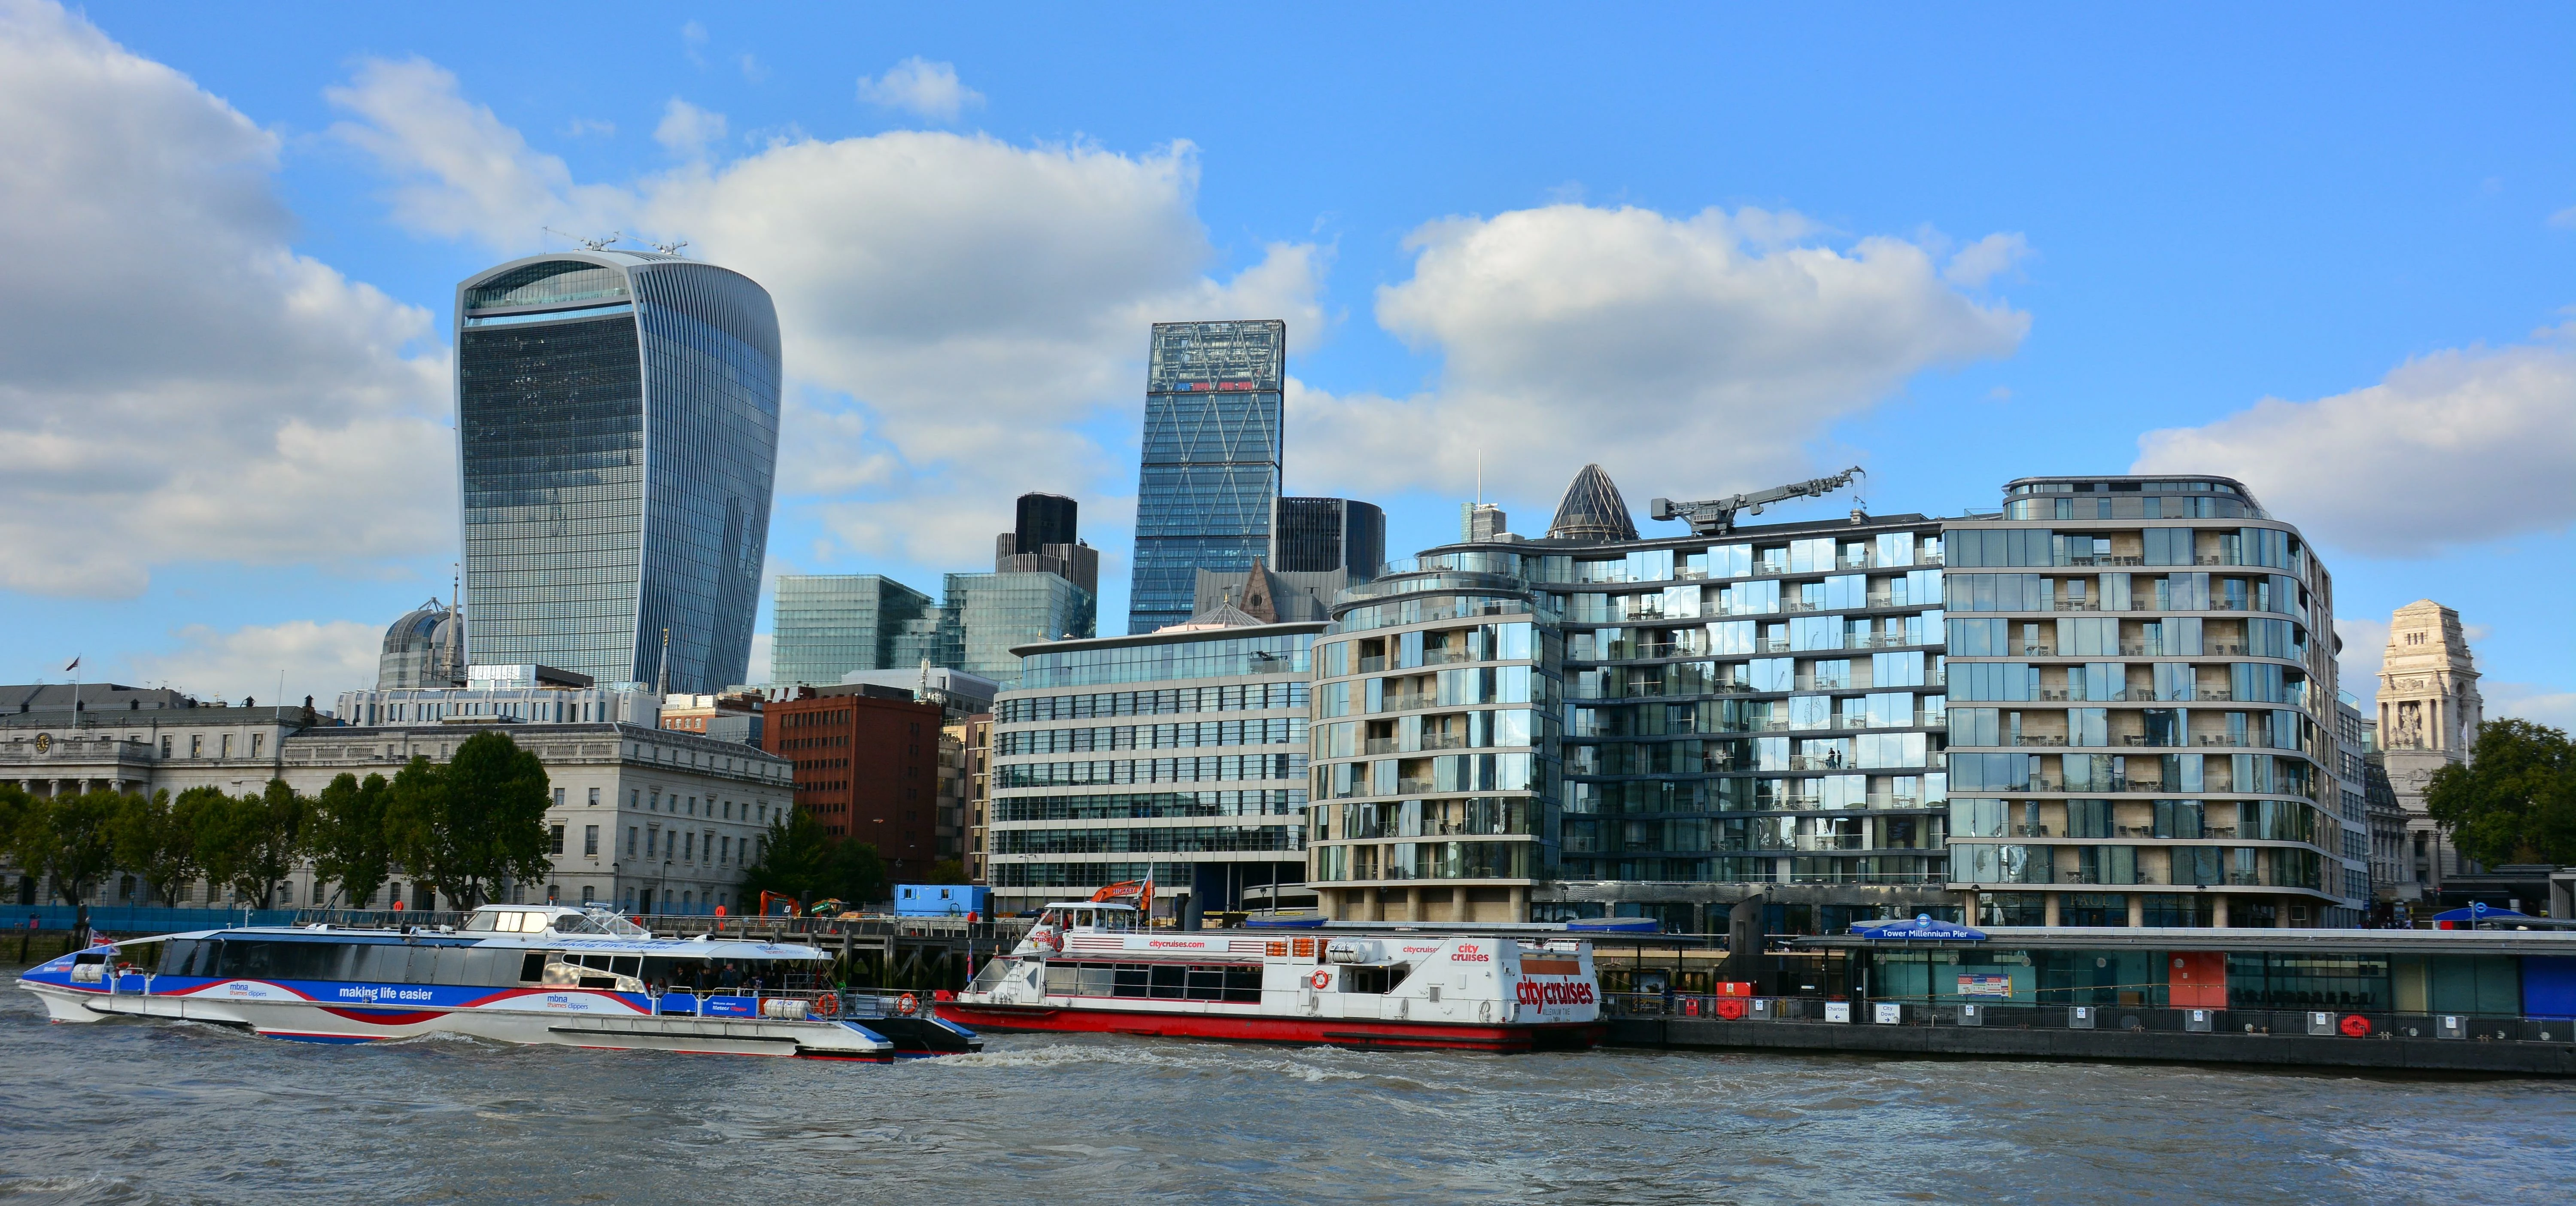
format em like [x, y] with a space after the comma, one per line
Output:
[1432, 742]
[1371, 665]
[1379, 745]
[2033, 739]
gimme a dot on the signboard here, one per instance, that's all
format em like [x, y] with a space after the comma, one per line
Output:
[1983, 985]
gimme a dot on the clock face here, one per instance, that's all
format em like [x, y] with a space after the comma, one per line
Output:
[44, 742]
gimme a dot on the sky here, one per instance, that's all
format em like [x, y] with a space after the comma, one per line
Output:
[2330, 252]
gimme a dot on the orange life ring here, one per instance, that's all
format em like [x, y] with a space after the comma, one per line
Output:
[1321, 979]
[2356, 1025]
[1731, 1008]
[827, 1005]
[907, 1005]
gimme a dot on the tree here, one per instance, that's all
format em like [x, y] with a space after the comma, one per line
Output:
[157, 836]
[858, 875]
[795, 860]
[253, 842]
[948, 871]
[473, 823]
[66, 837]
[2515, 799]
[350, 844]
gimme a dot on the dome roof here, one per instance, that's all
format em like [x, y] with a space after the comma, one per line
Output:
[417, 630]
[1592, 510]
[425, 648]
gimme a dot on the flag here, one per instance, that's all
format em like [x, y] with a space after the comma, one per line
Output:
[74, 666]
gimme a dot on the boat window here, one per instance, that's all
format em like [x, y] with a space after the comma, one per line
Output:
[532, 966]
[179, 956]
[1372, 977]
[574, 923]
[482, 922]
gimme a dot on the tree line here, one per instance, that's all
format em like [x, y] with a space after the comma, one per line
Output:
[463, 828]
[2514, 801]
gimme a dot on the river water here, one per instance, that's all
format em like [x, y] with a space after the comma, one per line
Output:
[135, 1111]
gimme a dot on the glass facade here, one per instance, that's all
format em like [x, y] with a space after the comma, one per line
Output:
[617, 429]
[985, 615]
[1180, 756]
[1211, 460]
[1435, 776]
[1319, 535]
[828, 625]
[1849, 718]
[2139, 709]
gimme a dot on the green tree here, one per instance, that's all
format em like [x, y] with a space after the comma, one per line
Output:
[2515, 799]
[858, 875]
[252, 842]
[948, 871]
[350, 843]
[796, 861]
[70, 838]
[157, 836]
[474, 822]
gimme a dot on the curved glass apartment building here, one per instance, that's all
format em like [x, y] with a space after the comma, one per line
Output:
[1434, 765]
[2142, 687]
[617, 436]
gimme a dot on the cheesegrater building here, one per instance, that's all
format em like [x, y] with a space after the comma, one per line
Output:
[617, 433]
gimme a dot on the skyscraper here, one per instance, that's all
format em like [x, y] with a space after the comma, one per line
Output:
[1313, 535]
[829, 625]
[1043, 541]
[1211, 459]
[617, 432]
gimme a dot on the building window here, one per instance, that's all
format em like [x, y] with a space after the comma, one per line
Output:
[594, 797]
[559, 797]
[590, 840]
[227, 750]
[196, 745]
[554, 839]
[630, 841]
[165, 746]
[255, 740]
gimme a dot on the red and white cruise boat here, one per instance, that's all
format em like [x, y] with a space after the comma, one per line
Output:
[1089, 966]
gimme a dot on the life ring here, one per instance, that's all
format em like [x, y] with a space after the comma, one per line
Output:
[1731, 1008]
[907, 1005]
[2355, 1025]
[827, 1005]
[1321, 979]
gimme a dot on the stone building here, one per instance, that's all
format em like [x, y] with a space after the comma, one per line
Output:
[2429, 715]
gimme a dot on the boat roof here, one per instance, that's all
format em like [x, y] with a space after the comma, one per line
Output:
[1091, 904]
[2255, 938]
[701, 947]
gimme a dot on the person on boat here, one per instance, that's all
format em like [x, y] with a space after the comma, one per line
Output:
[732, 977]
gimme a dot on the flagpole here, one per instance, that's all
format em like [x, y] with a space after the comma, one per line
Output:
[74, 671]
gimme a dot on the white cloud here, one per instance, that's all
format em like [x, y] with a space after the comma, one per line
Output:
[2564, 219]
[1986, 259]
[1687, 355]
[320, 659]
[954, 308]
[2534, 702]
[2365, 649]
[687, 129]
[175, 382]
[762, 651]
[922, 88]
[2452, 448]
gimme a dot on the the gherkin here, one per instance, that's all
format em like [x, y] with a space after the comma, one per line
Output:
[1592, 510]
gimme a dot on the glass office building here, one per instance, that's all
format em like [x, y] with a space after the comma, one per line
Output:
[986, 615]
[617, 434]
[1179, 755]
[1319, 535]
[1211, 460]
[828, 625]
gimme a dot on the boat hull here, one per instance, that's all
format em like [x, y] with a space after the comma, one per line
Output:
[1261, 1028]
[599, 1020]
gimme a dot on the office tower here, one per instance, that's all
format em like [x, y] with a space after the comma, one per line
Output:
[1238, 784]
[617, 428]
[1211, 459]
[881, 783]
[1043, 541]
[1313, 535]
[984, 615]
[1481, 521]
[831, 625]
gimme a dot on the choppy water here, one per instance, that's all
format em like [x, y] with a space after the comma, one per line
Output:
[134, 1111]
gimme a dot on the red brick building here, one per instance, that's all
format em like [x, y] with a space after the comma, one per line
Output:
[867, 767]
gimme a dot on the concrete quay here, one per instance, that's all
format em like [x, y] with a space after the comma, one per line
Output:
[2508, 1057]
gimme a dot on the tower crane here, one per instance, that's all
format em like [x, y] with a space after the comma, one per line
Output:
[1714, 516]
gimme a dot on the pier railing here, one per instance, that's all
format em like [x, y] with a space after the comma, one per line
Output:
[2361, 1023]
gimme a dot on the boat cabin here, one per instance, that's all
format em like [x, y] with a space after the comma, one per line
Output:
[1065, 916]
[559, 919]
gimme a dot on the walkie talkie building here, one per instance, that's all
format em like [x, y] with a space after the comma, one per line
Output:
[1211, 463]
[617, 433]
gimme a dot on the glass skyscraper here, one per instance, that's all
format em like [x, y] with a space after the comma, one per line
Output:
[1211, 460]
[984, 615]
[829, 625]
[617, 432]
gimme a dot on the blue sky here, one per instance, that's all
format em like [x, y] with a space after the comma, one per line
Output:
[1712, 249]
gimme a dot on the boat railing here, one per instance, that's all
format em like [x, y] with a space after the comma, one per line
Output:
[2373, 1021]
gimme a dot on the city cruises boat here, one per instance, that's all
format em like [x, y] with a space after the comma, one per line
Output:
[513, 973]
[1089, 966]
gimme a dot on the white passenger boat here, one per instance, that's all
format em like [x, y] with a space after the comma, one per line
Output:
[1089, 966]
[517, 974]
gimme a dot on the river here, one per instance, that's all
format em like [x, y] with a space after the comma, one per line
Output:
[134, 1111]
